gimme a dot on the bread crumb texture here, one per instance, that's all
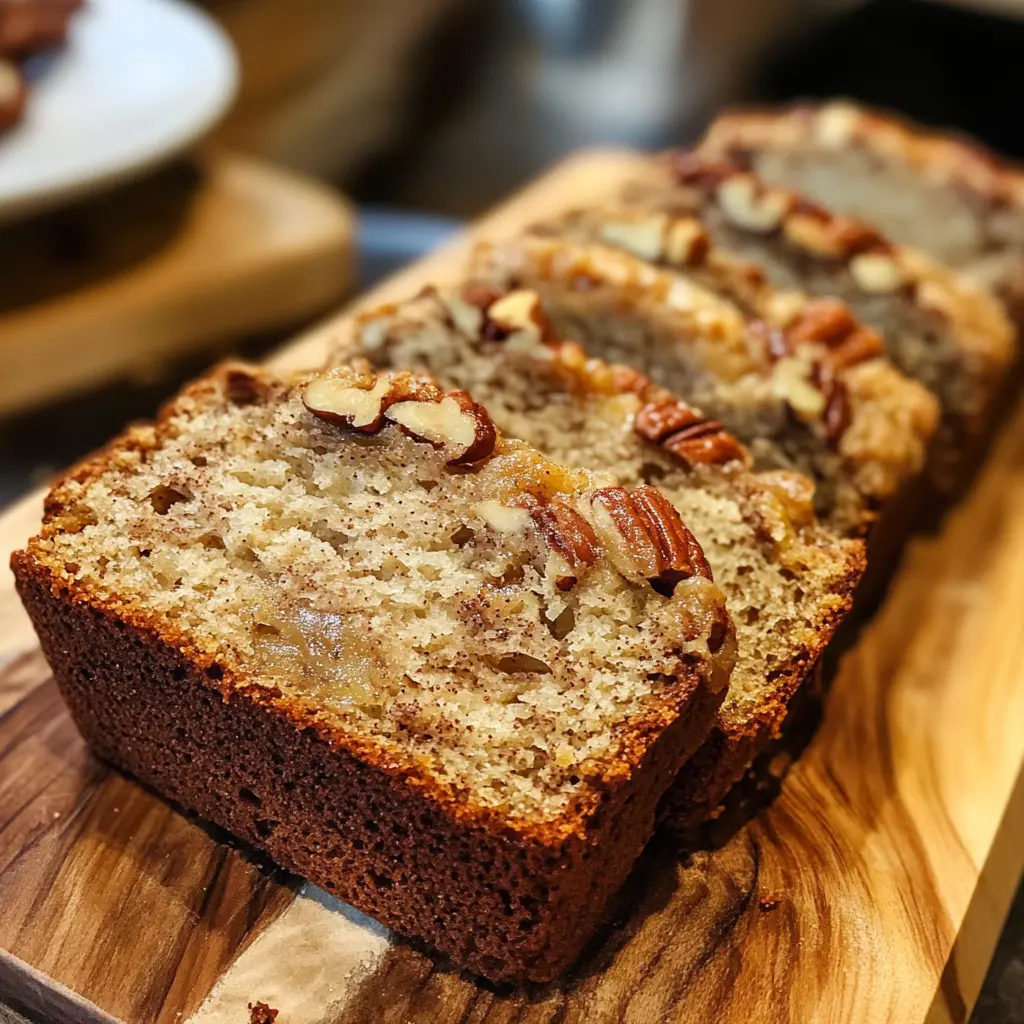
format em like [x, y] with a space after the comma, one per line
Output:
[788, 581]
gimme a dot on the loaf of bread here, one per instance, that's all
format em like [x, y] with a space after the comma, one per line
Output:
[440, 675]
[945, 195]
[787, 580]
[802, 383]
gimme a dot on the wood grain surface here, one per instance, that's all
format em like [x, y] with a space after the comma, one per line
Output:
[873, 889]
[106, 887]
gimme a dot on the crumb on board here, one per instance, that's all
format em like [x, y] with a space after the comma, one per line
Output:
[260, 1013]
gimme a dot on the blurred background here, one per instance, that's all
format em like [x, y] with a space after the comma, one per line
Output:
[174, 187]
[181, 180]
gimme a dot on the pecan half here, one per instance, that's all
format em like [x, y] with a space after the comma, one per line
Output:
[357, 398]
[658, 420]
[830, 323]
[707, 443]
[685, 433]
[566, 532]
[645, 538]
[826, 321]
[517, 318]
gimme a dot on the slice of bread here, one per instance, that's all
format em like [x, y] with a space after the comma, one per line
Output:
[942, 194]
[438, 674]
[787, 580]
[941, 329]
[801, 383]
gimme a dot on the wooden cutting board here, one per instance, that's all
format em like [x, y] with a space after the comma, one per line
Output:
[192, 255]
[873, 889]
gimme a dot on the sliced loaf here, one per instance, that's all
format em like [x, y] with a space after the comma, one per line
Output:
[938, 192]
[440, 675]
[802, 383]
[787, 580]
[952, 337]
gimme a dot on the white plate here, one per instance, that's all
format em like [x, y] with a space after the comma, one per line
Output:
[137, 82]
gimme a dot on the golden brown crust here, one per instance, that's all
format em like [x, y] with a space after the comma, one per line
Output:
[510, 904]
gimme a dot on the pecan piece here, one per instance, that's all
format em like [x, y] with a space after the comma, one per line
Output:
[685, 433]
[566, 532]
[707, 443]
[682, 556]
[877, 272]
[356, 398]
[746, 203]
[830, 323]
[657, 237]
[455, 423]
[823, 321]
[858, 347]
[645, 538]
[837, 413]
[659, 419]
[517, 318]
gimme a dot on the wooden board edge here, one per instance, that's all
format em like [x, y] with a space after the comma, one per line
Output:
[39, 997]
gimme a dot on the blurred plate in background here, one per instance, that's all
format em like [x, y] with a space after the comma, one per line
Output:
[137, 82]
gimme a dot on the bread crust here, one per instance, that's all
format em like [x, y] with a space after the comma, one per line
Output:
[512, 906]
[512, 899]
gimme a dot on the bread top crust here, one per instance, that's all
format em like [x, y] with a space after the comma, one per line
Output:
[680, 627]
[940, 157]
[811, 356]
[977, 320]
